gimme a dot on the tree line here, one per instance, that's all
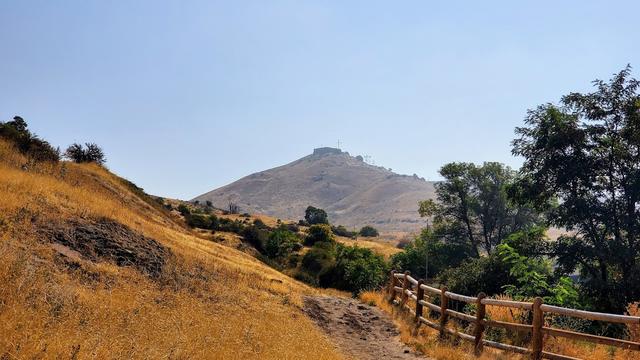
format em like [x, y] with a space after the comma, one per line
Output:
[581, 174]
[36, 149]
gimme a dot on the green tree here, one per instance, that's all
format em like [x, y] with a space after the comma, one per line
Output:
[472, 206]
[369, 231]
[89, 153]
[582, 166]
[315, 215]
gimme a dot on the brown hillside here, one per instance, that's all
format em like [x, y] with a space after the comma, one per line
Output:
[91, 267]
[352, 192]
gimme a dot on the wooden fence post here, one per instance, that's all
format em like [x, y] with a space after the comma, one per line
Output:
[537, 323]
[419, 307]
[419, 296]
[479, 325]
[444, 303]
[405, 286]
[392, 284]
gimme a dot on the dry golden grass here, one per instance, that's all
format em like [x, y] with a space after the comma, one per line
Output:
[426, 340]
[383, 248]
[211, 301]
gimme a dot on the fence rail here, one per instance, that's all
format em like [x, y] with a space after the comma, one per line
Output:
[410, 289]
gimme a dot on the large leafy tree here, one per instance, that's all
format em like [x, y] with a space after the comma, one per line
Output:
[583, 157]
[314, 215]
[472, 207]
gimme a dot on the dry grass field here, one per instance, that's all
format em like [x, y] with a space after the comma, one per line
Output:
[207, 300]
[427, 339]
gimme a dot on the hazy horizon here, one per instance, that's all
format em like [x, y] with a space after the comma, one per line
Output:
[185, 98]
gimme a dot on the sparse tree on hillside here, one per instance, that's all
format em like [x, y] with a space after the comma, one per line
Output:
[369, 231]
[315, 215]
[88, 153]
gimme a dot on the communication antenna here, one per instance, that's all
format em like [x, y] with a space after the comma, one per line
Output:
[367, 159]
[338, 143]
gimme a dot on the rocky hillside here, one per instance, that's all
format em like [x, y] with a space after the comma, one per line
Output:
[353, 192]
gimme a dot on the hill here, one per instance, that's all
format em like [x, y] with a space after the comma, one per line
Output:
[92, 267]
[352, 192]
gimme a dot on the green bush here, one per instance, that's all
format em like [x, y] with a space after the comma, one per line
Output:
[199, 221]
[369, 231]
[184, 210]
[441, 255]
[256, 237]
[340, 230]
[355, 269]
[318, 233]
[228, 225]
[485, 274]
[320, 258]
[281, 244]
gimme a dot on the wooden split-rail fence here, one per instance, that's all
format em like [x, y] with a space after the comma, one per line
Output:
[411, 290]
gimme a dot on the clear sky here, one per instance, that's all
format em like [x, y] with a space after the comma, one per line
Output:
[187, 96]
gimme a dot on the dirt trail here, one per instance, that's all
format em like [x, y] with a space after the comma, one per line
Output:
[360, 331]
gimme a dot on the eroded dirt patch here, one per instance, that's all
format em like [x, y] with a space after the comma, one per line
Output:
[108, 240]
[360, 331]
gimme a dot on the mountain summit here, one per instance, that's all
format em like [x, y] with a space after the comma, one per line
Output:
[353, 192]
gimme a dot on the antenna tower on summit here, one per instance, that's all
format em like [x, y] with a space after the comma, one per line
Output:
[338, 143]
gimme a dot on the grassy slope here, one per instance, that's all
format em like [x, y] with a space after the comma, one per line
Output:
[211, 301]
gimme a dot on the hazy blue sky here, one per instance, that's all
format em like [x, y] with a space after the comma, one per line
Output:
[186, 96]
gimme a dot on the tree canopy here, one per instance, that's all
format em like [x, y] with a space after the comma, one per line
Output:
[582, 165]
[472, 207]
[314, 215]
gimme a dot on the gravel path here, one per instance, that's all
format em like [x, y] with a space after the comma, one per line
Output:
[360, 331]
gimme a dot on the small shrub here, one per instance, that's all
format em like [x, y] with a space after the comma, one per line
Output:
[340, 230]
[318, 233]
[256, 237]
[91, 152]
[369, 231]
[260, 224]
[184, 210]
[199, 221]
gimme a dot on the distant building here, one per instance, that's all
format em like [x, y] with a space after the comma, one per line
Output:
[326, 150]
